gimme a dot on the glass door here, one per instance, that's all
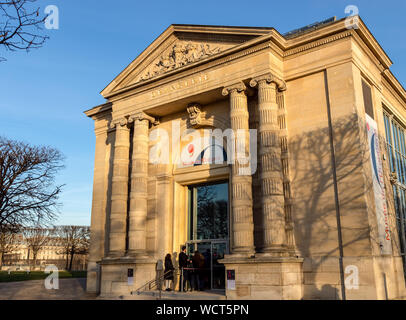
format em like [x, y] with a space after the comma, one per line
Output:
[209, 230]
[212, 274]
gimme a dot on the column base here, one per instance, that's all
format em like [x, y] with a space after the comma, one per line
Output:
[114, 255]
[93, 278]
[137, 255]
[241, 254]
[265, 278]
[114, 275]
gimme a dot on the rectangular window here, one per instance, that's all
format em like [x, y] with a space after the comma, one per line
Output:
[367, 94]
[395, 146]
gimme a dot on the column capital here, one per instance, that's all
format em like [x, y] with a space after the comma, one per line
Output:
[123, 121]
[268, 78]
[139, 116]
[236, 87]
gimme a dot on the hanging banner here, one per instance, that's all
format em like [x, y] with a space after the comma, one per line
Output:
[378, 186]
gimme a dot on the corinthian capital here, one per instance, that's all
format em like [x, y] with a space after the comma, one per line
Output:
[139, 116]
[269, 78]
[236, 87]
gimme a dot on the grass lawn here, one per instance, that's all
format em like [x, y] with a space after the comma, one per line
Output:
[37, 275]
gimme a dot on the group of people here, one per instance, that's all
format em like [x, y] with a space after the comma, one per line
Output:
[193, 271]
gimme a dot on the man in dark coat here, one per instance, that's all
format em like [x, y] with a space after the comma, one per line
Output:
[183, 261]
[198, 264]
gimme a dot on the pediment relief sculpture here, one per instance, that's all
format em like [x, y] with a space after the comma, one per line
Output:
[180, 54]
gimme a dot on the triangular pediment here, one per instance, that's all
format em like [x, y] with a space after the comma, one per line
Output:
[178, 47]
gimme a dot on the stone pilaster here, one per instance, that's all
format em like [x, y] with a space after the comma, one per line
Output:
[139, 184]
[241, 184]
[98, 218]
[119, 193]
[271, 175]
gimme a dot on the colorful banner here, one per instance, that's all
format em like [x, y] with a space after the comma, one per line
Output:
[378, 187]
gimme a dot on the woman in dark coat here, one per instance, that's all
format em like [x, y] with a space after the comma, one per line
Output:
[168, 272]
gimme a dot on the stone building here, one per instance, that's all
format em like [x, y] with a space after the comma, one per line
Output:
[318, 215]
[19, 255]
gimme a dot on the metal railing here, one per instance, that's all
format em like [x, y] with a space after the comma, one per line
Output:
[158, 282]
[154, 283]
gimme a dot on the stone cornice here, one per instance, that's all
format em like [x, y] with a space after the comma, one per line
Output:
[317, 43]
[395, 85]
[288, 47]
[269, 78]
[99, 110]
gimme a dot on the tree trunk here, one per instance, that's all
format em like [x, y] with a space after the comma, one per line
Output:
[72, 253]
[67, 259]
[1, 259]
[34, 259]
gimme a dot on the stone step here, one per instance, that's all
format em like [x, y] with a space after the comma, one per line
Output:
[176, 295]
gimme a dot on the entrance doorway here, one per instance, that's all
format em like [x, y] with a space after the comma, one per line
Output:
[209, 230]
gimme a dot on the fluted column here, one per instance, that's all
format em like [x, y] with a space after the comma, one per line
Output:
[119, 192]
[271, 175]
[139, 183]
[241, 184]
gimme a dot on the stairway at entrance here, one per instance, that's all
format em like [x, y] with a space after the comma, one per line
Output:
[176, 295]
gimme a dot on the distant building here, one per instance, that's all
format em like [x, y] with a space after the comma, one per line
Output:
[53, 253]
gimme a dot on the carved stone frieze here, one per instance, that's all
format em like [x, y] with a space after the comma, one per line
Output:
[178, 55]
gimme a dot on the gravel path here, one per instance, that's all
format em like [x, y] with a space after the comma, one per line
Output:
[69, 289]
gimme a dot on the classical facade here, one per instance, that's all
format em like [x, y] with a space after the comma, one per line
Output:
[276, 156]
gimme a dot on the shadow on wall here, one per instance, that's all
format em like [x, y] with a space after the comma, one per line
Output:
[316, 209]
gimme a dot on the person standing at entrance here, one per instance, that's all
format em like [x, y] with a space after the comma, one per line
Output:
[168, 272]
[198, 264]
[183, 260]
[207, 268]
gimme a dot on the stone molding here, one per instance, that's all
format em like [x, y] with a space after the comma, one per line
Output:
[317, 43]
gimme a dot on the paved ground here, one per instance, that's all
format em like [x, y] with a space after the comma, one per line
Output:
[74, 289]
[69, 289]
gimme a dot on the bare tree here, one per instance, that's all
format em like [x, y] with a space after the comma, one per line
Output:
[21, 25]
[36, 238]
[27, 192]
[74, 240]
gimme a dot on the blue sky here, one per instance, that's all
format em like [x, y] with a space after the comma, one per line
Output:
[43, 93]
